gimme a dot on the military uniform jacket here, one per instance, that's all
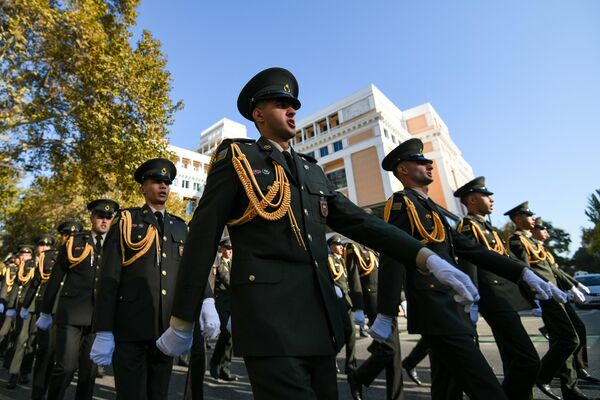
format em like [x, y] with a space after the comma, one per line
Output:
[9, 294]
[526, 248]
[222, 271]
[283, 299]
[368, 277]
[37, 288]
[433, 310]
[76, 300]
[134, 302]
[497, 293]
[347, 280]
[25, 284]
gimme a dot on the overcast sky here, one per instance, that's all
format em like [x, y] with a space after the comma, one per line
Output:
[517, 82]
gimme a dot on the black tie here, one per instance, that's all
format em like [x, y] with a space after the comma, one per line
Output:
[290, 162]
[161, 222]
[98, 244]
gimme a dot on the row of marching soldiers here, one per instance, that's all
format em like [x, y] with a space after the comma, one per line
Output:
[103, 296]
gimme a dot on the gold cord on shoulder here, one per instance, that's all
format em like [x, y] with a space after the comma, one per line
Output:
[40, 262]
[388, 208]
[437, 235]
[480, 238]
[536, 254]
[365, 269]
[9, 279]
[75, 261]
[25, 278]
[335, 271]
[140, 248]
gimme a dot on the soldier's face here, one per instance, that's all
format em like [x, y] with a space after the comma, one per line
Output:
[25, 257]
[100, 224]
[415, 173]
[276, 119]
[484, 204]
[337, 248]
[540, 234]
[155, 192]
[523, 221]
[42, 248]
[226, 252]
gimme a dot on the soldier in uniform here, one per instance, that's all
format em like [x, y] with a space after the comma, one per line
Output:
[8, 297]
[77, 263]
[276, 203]
[433, 311]
[140, 263]
[221, 358]
[501, 299]
[564, 341]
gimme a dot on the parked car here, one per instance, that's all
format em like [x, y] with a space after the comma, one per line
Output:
[592, 281]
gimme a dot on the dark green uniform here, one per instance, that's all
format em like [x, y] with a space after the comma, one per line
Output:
[221, 358]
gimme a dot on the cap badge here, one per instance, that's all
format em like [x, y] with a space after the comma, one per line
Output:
[107, 208]
[163, 171]
[286, 87]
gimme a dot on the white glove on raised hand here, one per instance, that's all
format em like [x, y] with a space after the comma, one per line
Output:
[210, 324]
[577, 293]
[11, 313]
[466, 292]
[381, 328]
[44, 321]
[338, 291]
[174, 342]
[583, 288]
[102, 349]
[24, 313]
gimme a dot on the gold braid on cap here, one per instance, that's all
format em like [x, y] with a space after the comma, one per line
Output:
[40, 261]
[24, 278]
[9, 279]
[75, 261]
[536, 254]
[479, 237]
[437, 235]
[365, 269]
[140, 248]
[335, 271]
[278, 198]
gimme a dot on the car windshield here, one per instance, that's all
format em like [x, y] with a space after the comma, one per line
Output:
[589, 280]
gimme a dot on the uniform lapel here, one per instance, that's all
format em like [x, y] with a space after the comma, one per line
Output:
[300, 170]
[149, 217]
[276, 156]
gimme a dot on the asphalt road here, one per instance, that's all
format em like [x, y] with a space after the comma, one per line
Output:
[241, 390]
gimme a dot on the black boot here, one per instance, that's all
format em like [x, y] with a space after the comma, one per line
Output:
[12, 381]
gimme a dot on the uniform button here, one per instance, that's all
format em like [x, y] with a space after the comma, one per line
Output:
[120, 297]
[164, 238]
[369, 289]
[431, 285]
[99, 256]
[139, 236]
[164, 255]
[305, 166]
[164, 272]
[309, 237]
[495, 281]
[320, 191]
[164, 292]
[305, 212]
[251, 278]
[301, 187]
[316, 264]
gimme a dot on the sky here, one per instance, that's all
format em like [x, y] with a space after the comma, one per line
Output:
[516, 82]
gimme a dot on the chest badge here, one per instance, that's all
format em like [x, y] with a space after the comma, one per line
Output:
[323, 207]
[180, 250]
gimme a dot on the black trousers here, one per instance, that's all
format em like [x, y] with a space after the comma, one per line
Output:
[73, 345]
[563, 343]
[349, 336]
[44, 354]
[520, 360]
[141, 370]
[194, 384]
[417, 354]
[457, 365]
[293, 378]
[384, 355]
[580, 356]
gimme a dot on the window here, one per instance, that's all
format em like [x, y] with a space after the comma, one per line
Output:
[338, 178]
[298, 137]
[197, 186]
[322, 124]
[337, 146]
[309, 132]
[393, 139]
[385, 133]
[189, 207]
[323, 151]
[334, 120]
[185, 184]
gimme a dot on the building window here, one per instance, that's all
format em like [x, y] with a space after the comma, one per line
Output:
[322, 124]
[323, 151]
[309, 132]
[338, 178]
[298, 137]
[174, 183]
[393, 139]
[337, 146]
[197, 186]
[185, 184]
[189, 207]
[385, 133]
[334, 120]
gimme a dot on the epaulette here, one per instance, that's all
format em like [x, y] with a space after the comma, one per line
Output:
[82, 234]
[307, 158]
[177, 217]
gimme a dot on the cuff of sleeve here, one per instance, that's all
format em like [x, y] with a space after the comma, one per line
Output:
[181, 325]
[422, 257]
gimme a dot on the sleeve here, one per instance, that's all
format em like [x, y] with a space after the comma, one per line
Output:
[32, 289]
[56, 277]
[356, 294]
[223, 274]
[517, 249]
[214, 209]
[110, 278]
[465, 266]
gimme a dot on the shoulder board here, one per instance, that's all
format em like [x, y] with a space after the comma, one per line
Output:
[82, 234]
[465, 224]
[237, 140]
[177, 217]
[307, 158]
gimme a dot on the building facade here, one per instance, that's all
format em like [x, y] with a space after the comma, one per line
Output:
[212, 136]
[192, 168]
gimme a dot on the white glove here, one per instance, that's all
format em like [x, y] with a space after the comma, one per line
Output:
[381, 328]
[466, 292]
[1, 308]
[583, 288]
[210, 324]
[558, 295]
[10, 313]
[404, 307]
[359, 317]
[338, 291]
[474, 313]
[174, 342]
[228, 326]
[577, 293]
[44, 321]
[24, 313]
[541, 288]
[102, 349]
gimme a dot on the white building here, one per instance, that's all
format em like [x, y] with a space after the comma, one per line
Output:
[351, 137]
[212, 136]
[192, 168]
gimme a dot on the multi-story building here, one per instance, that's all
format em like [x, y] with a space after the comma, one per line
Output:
[192, 168]
[212, 136]
[351, 137]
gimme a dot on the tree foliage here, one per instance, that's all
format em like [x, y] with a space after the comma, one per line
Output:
[80, 106]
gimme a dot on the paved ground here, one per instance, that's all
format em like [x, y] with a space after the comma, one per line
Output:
[241, 390]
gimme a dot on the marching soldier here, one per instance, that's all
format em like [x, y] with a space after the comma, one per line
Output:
[433, 311]
[78, 262]
[276, 203]
[558, 360]
[139, 268]
[501, 299]
[221, 358]
[348, 283]
[8, 295]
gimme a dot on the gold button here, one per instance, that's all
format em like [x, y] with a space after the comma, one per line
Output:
[139, 236]
[164, 255]
[495, 281]
[164, 292]
[164, 238]
[309, 237]
[164, 272]
[431, 285]
[251, 278]
[305, 166]
[305, 212]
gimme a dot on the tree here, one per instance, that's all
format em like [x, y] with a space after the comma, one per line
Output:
[80, 107]
[558, 243]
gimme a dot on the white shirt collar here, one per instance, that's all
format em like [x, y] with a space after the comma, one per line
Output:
[278, 146]
[155, 210]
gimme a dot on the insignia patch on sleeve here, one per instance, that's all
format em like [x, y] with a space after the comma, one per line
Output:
[221, 154]
[397, 206]
[465, 228]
